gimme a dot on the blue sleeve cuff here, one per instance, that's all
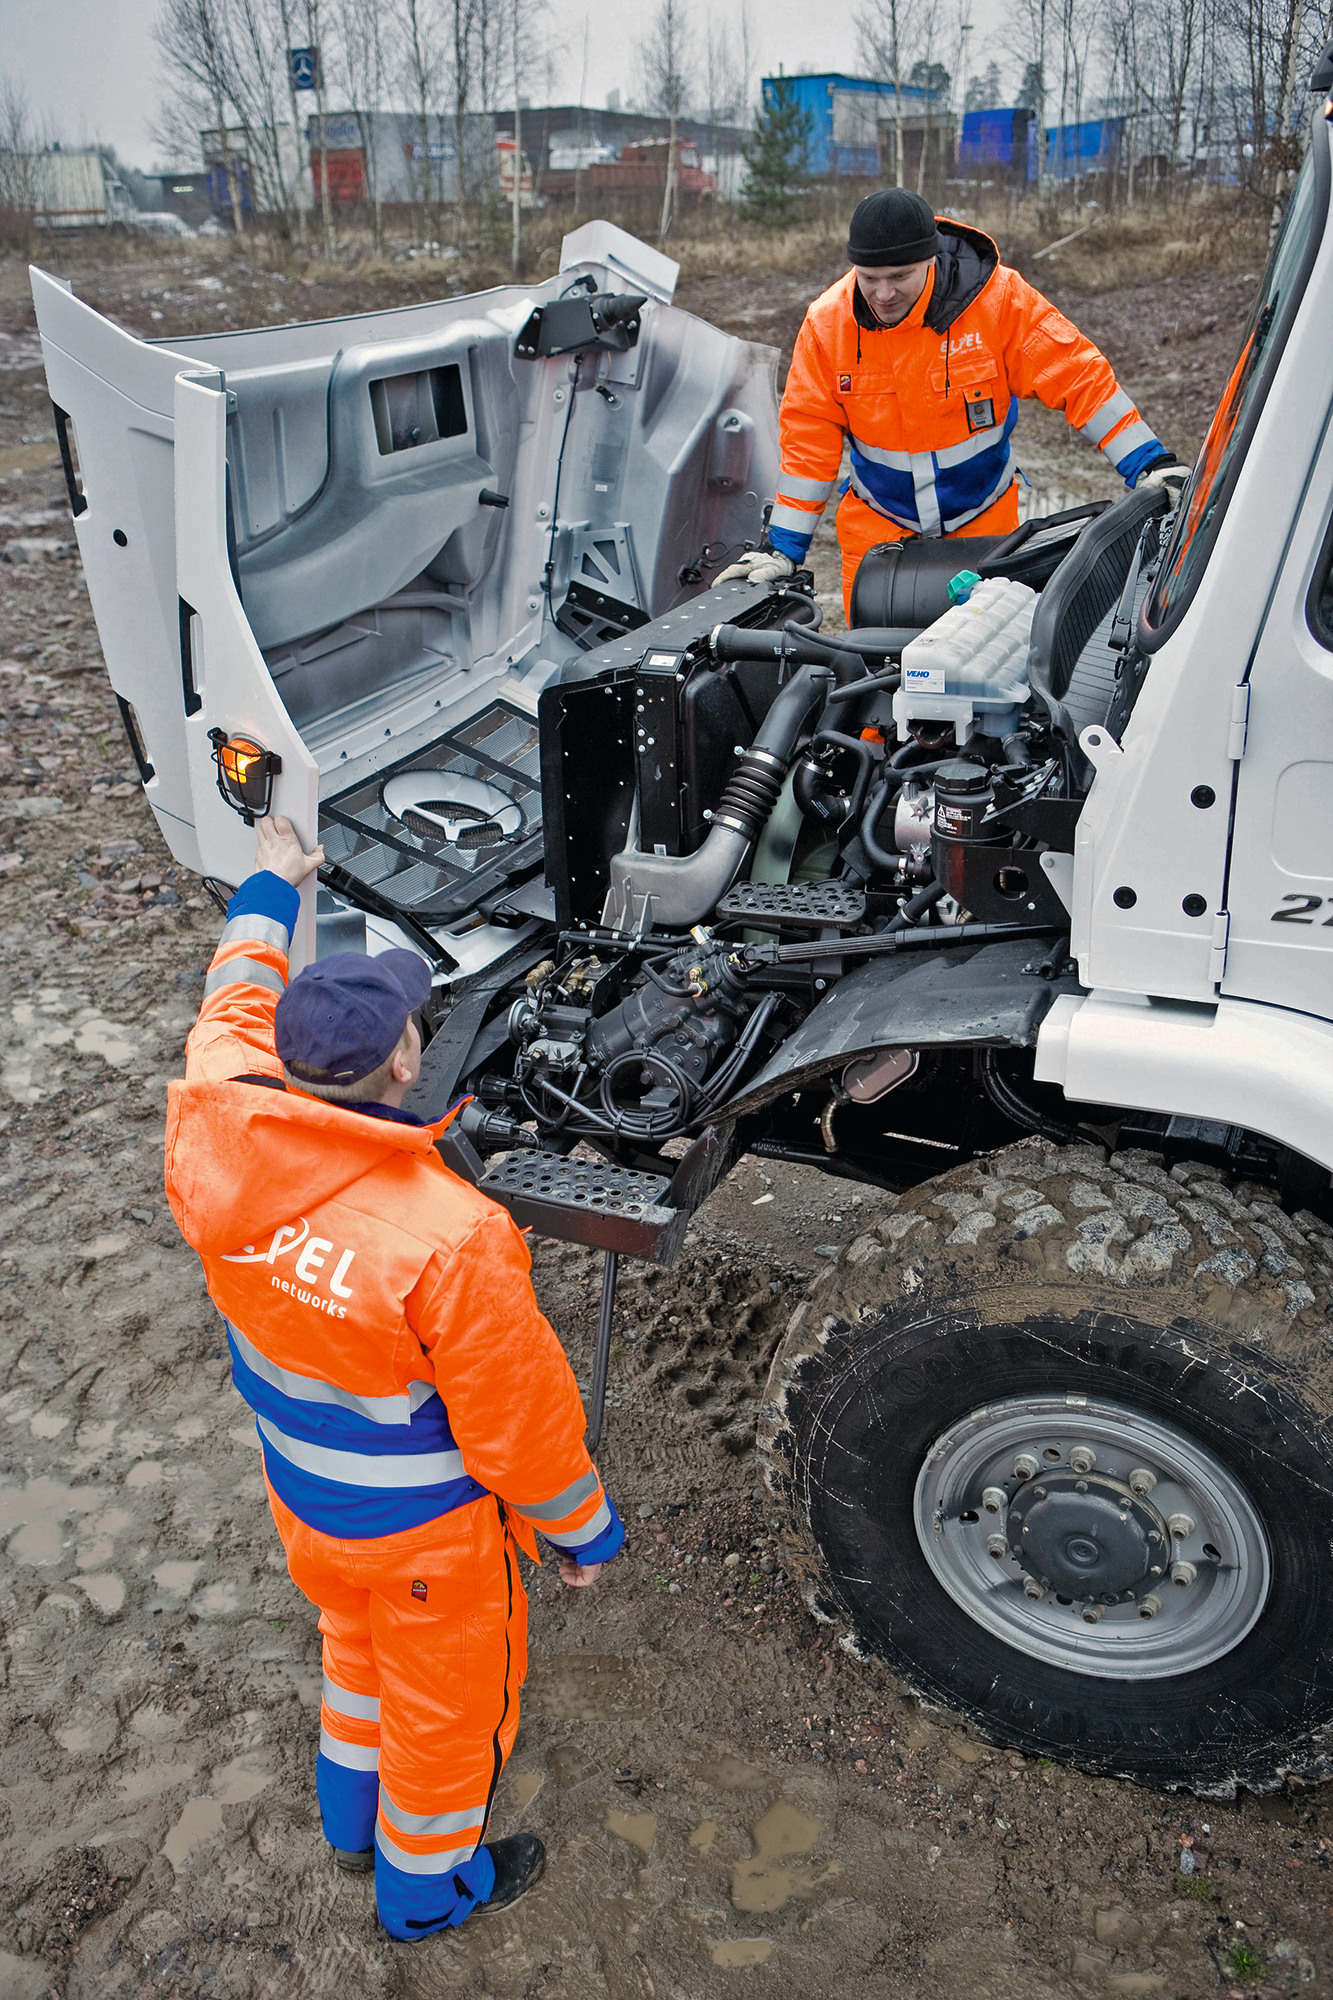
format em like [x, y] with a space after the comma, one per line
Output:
[1143, 459]
[267, 895]
[797, 547]
[601, 1549]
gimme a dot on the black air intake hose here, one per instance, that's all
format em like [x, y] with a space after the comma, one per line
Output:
[686, 887]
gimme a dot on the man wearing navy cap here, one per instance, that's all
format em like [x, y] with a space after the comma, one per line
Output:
[418, 1418]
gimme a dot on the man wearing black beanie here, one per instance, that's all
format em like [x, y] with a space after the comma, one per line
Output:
[917, 358]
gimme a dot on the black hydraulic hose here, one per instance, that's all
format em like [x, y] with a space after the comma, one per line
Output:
[872, 684]
[858, 748]
[1017, 1109]
[931, 937]
[884, 859]
[916, 906]
[877, 640]
[559, 469]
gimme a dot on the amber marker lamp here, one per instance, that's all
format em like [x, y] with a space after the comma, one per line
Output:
[245, 774]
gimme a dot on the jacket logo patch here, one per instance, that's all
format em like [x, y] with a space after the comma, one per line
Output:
[419, 1591]
[844, 384]
[980, 414]
[313, 1259]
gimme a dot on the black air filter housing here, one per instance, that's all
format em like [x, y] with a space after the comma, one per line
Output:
[907, 583]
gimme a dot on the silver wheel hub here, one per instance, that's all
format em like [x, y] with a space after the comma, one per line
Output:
[1092, 1536]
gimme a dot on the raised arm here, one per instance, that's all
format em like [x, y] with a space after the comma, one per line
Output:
[234, 1033]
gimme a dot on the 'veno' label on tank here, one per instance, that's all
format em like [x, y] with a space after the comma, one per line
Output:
[924, 680]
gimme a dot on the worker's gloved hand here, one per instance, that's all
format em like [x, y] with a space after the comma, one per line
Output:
[760, 566]
[1167, 472]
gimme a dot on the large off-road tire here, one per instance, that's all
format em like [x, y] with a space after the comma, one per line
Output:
[1045, 1303]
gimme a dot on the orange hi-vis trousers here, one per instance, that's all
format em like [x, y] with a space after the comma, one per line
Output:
[425, 1650]
[861, 528]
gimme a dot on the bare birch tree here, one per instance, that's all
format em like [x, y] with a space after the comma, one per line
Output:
[667, 84]
[420, 66]
[362, 57]
[886, 34]
[196, 43]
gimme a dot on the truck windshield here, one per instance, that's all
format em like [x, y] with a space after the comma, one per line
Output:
[1224, 447]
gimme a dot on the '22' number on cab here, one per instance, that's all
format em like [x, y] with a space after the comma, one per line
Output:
[1302, 911]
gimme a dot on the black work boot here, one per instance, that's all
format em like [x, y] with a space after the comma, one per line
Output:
[356, 1862]
[519, 1860]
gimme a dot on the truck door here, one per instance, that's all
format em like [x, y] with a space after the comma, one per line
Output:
[1280, 890]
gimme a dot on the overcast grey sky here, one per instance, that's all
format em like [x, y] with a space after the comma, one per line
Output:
[92, 65]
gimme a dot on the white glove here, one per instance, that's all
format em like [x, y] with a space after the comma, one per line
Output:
[1169, 473]
[760, 566]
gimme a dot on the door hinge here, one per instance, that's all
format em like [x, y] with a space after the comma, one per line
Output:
[1239, 722]
[1217, 957]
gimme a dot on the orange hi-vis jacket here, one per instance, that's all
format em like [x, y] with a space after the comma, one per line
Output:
[928, 407]
[380, 1313]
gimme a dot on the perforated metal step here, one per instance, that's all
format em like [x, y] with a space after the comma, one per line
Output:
[803, 905]
[588, 1201]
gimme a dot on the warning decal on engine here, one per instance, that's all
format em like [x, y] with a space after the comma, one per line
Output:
[923, 680]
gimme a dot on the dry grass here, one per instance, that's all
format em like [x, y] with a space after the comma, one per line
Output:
[1117, 248]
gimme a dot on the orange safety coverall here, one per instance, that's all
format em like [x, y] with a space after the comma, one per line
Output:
[927, 407]
[417, 1414]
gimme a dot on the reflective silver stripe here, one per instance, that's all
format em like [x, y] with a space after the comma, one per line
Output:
[927, 500]
[862, 492]
[255, 930]
[972, 447]
[359, 1468]
[793, 518]
[307, 1389]
[421, 1864]
[792, 488]
[1132, 440]
[575, 1537]
[363, 1707]
[896, 461]
[430, 1825]
[956, 521]
[1103, 421]
[243, 972]
[352, 1756]
[564, 1503]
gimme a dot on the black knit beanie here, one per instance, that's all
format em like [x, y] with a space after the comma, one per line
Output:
[892, 227]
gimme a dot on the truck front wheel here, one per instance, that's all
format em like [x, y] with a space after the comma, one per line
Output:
[1054, 1443]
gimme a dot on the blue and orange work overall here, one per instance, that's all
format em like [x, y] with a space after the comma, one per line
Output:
[417, 1414]
[927, 407]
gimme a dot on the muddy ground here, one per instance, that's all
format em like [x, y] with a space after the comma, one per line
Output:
[731, 1805]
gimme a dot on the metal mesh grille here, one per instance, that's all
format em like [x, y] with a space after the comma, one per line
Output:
[579, 1183]
[803, 903]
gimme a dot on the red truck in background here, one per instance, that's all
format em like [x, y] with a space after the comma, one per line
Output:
[639, 168]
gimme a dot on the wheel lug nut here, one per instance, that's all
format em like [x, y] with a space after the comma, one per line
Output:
[996, 1546]
[1091, 1613]
[1082, 1459]
[1142, 1482]
[994, 1499]
[1181, 1526]
[1150, 1605]
[1033, 1589]
[1026, 1466]
[1183, 1573]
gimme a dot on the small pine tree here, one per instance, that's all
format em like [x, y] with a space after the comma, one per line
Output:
[777, 155]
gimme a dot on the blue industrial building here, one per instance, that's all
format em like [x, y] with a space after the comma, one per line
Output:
[853, 122]
[1003, 143]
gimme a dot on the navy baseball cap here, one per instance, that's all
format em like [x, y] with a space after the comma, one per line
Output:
[343, 1016]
